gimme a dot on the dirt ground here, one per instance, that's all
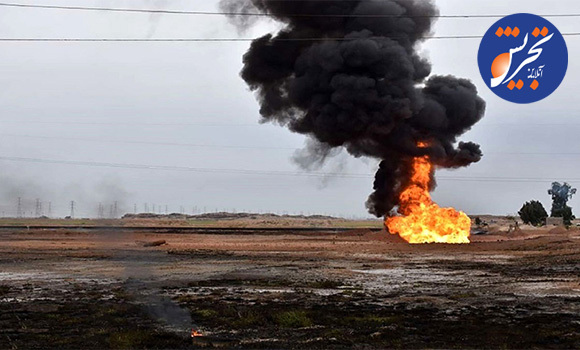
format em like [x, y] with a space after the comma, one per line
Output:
[359, 289]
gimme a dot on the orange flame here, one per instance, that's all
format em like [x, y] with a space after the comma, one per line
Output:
[424, 221]
[195, 333]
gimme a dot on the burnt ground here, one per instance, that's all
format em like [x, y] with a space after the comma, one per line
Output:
[74, 289]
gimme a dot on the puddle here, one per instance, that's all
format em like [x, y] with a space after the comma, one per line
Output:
[26, 276]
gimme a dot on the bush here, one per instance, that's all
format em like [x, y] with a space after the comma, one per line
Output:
[565, 213]
[533, 213]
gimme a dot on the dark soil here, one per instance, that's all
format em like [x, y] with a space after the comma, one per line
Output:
[76, 290]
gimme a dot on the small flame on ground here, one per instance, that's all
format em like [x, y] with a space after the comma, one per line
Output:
[195, 333]
[423, 221]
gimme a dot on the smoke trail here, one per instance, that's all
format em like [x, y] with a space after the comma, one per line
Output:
[138, 270]
[365, 88]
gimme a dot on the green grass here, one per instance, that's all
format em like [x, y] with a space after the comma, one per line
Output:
[249, 319]
[370, 321]
[292, 319]
[206, 313]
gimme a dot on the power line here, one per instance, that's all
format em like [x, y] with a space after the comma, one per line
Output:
[136, 123]
[243, 147]
[272, 172]
[180, 168]
[140, 123]
[148, 142]
[137, 40]
[260, 14]
[168, 40]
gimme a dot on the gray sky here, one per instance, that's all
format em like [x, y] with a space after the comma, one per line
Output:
[98, 102]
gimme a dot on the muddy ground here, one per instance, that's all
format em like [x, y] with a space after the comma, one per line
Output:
[74, 289]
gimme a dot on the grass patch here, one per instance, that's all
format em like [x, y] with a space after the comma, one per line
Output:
[293, 319]
[129, 339]
[206, 313]
[249, 319]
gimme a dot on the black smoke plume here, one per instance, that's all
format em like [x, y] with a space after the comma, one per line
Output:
[347, 74]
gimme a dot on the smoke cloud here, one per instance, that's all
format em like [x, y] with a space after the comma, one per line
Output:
[364, 88]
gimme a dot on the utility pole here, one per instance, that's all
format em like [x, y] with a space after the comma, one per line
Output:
[115, 210]
[49, 209]
[37, 211]
[19, 208]
[166, 209]
[135, 208]
[72, 209]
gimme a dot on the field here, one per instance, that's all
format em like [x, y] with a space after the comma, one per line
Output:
[219, 220]
[79, 288]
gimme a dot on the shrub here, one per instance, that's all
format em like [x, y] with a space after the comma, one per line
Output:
[533, 213]
[565, 213]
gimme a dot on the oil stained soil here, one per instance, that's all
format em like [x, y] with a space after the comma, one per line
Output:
[106, 290]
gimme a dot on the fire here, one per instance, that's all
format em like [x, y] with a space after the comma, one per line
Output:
[424, 221]
[195, 333]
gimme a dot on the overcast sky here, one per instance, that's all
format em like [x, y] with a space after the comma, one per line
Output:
[184, 105]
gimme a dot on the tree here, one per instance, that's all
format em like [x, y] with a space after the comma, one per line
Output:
[564, 213]
[561, 193]
[533, 213]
